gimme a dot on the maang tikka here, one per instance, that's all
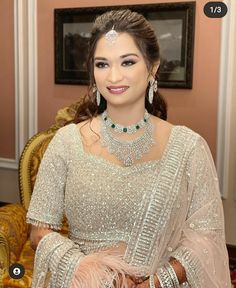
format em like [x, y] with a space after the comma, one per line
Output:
[111, 36]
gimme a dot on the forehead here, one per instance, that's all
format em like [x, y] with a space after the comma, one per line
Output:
[123, 44]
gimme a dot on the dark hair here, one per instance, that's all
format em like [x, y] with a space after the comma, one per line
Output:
[144, 36]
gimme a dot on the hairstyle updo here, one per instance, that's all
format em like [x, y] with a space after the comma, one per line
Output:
[144, 37]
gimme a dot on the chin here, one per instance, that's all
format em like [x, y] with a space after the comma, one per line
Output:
[115, 100]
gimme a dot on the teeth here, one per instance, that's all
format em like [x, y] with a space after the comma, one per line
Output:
[117, 89]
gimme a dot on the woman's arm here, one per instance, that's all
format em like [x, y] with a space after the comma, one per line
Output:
[179, 271]
[46, 209]
[202, 248]
[36, 234]
[106, 267]
[201, 251]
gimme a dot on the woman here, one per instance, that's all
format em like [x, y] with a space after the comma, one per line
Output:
[141, 195]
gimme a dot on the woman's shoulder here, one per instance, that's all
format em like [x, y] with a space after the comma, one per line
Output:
[65, 134]
[166, 127]
[181, 134]
[65, 130]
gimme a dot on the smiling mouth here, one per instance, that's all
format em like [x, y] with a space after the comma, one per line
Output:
[117, 90]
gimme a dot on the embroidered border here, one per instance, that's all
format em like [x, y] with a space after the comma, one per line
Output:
[158, 201]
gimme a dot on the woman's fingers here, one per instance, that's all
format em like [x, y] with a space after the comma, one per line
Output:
[144, 284]
[130, 283]
[137, 280]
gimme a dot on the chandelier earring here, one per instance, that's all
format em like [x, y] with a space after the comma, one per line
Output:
[152, 89]
[98, 95]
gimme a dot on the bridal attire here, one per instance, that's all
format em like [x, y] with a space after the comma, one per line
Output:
[163, 208]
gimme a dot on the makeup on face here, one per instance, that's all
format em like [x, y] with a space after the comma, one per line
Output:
[120, 70]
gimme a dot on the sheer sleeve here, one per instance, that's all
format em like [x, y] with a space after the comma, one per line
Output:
[202, 250]
[46, 208]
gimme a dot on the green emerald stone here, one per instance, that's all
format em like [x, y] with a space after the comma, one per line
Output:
[105, 118]
[113, 126]
[124, 129]
[137, 127]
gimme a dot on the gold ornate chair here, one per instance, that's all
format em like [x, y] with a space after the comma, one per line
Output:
[14, 231]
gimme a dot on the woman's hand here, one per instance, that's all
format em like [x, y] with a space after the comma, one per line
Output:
[130, 282]
[105, 266]
[36, 234]
[145, 283]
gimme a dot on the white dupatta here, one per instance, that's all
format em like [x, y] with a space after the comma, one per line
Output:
[182, 216]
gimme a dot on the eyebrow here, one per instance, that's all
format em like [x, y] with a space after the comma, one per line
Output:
[122, 56]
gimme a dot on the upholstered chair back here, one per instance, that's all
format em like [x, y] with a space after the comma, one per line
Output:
[14, 231]
[33, 153]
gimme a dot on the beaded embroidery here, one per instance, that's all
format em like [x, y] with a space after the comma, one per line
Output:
[101, 208]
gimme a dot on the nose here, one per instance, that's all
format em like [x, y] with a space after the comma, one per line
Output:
[115, 74]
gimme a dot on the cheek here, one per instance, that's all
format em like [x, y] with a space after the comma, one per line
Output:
[99, 75]
[140, 74]
[140, 77]
[99, 78]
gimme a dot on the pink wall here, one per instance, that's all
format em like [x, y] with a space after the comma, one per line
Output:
[7, 98]
[195, 108]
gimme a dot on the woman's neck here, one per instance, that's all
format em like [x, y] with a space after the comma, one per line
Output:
[125, 116]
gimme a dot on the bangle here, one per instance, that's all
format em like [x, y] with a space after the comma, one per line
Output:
[167, 276]
[181, 271]
[164, 278]
[173, 275]
[144, 278]
[151, 281]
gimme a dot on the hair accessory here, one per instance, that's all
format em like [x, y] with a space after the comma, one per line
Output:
[111, 36]
[152, 89]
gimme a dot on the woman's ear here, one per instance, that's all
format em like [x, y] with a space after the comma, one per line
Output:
[155, 68]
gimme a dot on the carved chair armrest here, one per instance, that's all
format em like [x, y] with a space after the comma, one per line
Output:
[4, 257]
[13, 229]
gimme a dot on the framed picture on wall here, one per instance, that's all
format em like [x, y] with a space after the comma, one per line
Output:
[174, 27]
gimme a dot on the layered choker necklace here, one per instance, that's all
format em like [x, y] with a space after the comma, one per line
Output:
[127, 151]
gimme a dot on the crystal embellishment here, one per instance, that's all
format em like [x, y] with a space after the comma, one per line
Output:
[127, 151]
[111, 36]
[128, 129]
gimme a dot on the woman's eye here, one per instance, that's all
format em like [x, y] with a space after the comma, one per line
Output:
[128, 63]
[101, 64]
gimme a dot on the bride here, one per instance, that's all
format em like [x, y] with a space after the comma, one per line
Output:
[140, 194]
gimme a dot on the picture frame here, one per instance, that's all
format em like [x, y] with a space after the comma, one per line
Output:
[174, 25]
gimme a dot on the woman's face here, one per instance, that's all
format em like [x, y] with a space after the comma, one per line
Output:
[120, 71]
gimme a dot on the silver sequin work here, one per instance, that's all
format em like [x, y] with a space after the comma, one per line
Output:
[106, 203]
[100, 199]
